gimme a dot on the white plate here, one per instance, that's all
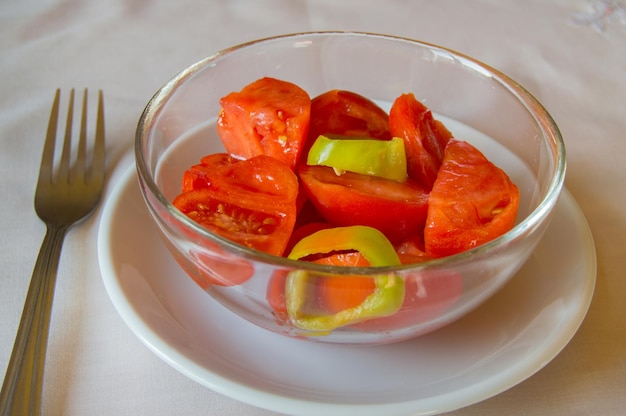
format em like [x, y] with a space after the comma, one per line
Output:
[506, 340]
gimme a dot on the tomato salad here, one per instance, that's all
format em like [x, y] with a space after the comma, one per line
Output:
[337, 180]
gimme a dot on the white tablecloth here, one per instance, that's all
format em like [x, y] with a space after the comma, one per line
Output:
[129, 48]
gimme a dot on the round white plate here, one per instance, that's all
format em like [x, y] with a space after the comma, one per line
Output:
[506, 340]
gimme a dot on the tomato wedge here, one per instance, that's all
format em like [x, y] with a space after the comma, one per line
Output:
[334, 293]
[424, 137]
[276, 298]
[412, 250]
[267, 117]
[347, 113]
[472, 202]
[251, 202]
[397, 209]
[428, 294]
[339, 293]
[199, 176]
[212, 265]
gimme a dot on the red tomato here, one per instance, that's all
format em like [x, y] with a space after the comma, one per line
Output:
[267, 117]
[334, 294]
[301, 231]
[199, 176]
[251, 202]
[412, 250]
[472, 202]
[220, 268]
[276, 296]
[397, 209]
[424, 137]
[349, 114]
[427, 295]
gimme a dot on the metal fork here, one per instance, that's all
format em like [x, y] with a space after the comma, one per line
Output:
[62, 198]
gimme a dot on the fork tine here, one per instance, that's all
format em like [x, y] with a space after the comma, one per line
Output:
[97, 168]
[47, 157]
[64, 165]
[82, 141]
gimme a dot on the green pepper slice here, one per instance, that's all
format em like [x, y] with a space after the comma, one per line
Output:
[382, 158]
[385, 300]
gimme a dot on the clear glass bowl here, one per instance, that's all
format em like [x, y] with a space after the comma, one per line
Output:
[477, 103]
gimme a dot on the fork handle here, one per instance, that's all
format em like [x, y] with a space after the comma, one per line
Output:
[22, 387]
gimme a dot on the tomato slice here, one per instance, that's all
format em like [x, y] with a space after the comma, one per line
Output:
[412, 250]
[301, 231]
[472, 202]
[276, 297]
[214, 266]
[397, 209]
[424, 137]
[334, 294]
[349, 114]
[428, 294]
[251, 202]
[339, 293]
[199, 176]
[267, 117]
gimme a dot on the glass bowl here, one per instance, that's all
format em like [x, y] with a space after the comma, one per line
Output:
[476, 102]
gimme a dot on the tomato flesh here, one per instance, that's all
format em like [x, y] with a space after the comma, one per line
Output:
[347, 113]
[331, 294]
[397, 209]
[276, 296]
[267, 117]
[412, 249]
[472, 202]
[428, 295]
[336, 294]
[251, 202]
[424, 137]
[199, 176]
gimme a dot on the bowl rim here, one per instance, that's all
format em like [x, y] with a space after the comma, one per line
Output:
[538, 112]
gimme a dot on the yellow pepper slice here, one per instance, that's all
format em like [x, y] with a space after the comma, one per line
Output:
[385, 300]
[382, 158]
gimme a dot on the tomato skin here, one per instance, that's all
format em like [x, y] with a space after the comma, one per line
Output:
[267, 117]
[424, 137]
[356, 199]
[333, 293]
[276, 296]
[199, 176]
[251, 202]
[428, 294]
[301, 231]
[220, 268]
[472, 202]
[412, 250]
[336, 294]
[347, 113]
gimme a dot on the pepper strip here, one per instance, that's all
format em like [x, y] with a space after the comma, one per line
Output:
[385, 300]
[382, 158]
